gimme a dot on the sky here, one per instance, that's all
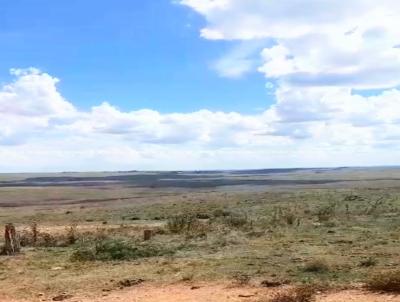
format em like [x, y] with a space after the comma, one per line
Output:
[198, 84]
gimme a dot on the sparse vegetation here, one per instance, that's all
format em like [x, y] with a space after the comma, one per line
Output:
[332, 235]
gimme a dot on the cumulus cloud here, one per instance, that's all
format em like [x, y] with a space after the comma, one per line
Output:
[323, 55]
[317, 43]
[33, 94]
[41, 131]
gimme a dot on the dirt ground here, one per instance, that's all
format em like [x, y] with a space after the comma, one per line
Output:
[184, 292]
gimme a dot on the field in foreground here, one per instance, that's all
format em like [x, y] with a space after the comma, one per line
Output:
[249, 231]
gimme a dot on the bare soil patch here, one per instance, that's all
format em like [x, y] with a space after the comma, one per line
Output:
[209, 292]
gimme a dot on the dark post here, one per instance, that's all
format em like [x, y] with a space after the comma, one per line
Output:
[147, 234]
[12, 245]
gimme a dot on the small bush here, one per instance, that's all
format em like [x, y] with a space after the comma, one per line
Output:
[26, 239]
[290, 218]
[83, 254]
[327, 212]
[282, 216]
[316, 266]
[237, 221]
[181, 223]
[47, 240]
[368, 262]
[35, 232]
[385, 282]
[305, 293]
[71, 235]
[221, 213]
[203, 216]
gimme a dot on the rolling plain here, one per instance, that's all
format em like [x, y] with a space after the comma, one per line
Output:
[253, 235]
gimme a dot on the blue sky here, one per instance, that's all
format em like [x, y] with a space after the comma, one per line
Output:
[135, 54]
[198, 84]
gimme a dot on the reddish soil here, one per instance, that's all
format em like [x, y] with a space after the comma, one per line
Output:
[212, 293]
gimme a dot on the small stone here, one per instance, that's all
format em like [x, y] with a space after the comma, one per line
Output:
[57, 268]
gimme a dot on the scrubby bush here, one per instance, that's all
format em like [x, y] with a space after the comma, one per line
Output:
[290, 218]
[327, 212]
[221, 213]
[316, 266]
[181, 223]
[368, 262]
[83, 254]
[237, 221]
[71, 235]
[284, 217]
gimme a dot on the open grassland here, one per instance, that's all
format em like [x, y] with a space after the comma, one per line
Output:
[343, 232]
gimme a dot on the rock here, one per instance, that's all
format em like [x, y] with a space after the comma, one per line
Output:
[57, 268]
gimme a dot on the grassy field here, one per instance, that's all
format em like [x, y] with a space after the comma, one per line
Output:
[89, 239]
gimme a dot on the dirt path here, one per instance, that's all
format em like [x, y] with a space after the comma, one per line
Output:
[213, 293]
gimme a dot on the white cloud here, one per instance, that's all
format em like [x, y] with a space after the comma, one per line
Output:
[33, 94]
[321, 53]
[41, 131]
[317, 43]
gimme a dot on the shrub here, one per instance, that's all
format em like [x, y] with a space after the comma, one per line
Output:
[221, 213]
[25, 238]
[385, 282]
[237, 221]
[290, 218]
[282, 216]
[316, 266]
[46, 240]
[181, 223]
[203, 216]
[368, 262]
[71, 235]
[325, 213]
[83, 254]
[35, 232]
